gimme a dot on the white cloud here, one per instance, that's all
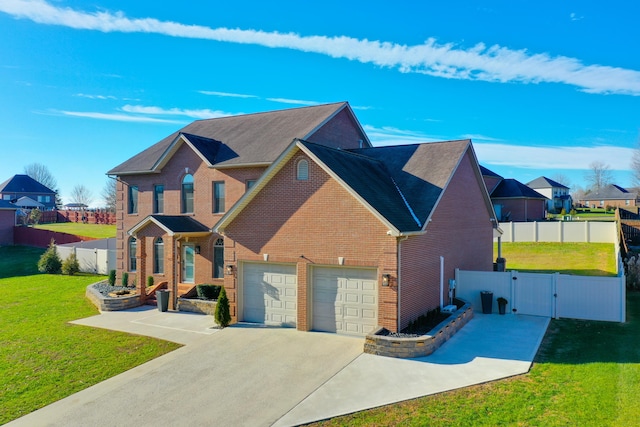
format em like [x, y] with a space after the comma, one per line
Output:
[493, 63]
[293, 101]
[159, 111]
[477, 137]
[114, 117]
[557, 158]
[394, 136]
[84, 95]
[226, 94]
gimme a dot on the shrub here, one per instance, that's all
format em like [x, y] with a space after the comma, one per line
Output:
[149, 281]
[208, 291]
[222, 313]
[71, 265]
[112, 278]
[563, 211]
[50, 261]
[573, 212]
[125, 279]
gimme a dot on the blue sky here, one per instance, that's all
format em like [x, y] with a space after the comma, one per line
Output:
[541, 87]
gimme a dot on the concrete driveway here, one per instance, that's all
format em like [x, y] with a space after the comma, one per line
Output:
[255, 376]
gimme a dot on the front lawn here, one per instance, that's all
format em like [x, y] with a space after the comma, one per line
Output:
[582, 259]
[586, 373]
[97, 231]
[42, 357]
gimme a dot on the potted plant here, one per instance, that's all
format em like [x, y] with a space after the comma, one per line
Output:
[502, 305]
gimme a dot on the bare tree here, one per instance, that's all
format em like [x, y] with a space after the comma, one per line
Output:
[41, 173]
[561, 178]
[599, 176]
[81, 194]
[109, 194]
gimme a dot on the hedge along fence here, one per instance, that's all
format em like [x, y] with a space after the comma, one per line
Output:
[91, 260]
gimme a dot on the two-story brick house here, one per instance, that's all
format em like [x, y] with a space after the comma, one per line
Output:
[302, 221]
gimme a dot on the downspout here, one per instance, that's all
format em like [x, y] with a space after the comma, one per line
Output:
[441, 282]
[399, 281]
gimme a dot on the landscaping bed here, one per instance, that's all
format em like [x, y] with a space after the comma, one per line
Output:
[112, 298]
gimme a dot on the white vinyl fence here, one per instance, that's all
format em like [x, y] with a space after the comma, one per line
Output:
[93, 256]
[550, 295]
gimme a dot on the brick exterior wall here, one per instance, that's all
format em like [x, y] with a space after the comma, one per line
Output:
[7, 222]
[341, 131]
[316, 218]
[615, 203]
[461, 231]
[523, 209]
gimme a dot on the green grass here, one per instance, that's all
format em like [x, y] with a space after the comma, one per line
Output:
[98, 231]
[43, 358]
[586, 373]
[583, 259]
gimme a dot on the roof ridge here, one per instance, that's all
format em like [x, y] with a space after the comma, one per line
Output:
[258, 113]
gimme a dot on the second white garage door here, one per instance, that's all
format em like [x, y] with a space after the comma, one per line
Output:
[345, 300]
[270, 294]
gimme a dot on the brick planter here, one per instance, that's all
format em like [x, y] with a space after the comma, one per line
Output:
[111, 303]
[418, 346]
[197, 305]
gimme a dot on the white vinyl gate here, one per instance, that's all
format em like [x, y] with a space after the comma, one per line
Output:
[550, 295]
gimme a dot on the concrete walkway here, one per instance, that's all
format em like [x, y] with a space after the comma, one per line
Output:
[255, 376]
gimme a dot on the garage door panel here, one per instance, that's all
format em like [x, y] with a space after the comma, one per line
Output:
[270, 294]
[344, 300]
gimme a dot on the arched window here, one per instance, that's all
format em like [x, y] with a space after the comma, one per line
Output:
[187, 193]
[218, 259]
[303, 170]
[133, 247]
[158, 256]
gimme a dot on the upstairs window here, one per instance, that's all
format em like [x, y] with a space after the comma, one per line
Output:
[250, 183]
[302, 170]
[133, 199]
[187, 194]
[158, 199]
[218, 197]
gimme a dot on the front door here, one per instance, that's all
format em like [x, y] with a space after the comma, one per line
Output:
[188, 263]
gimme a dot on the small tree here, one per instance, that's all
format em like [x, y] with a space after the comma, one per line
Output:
[149, 281]
[71, 265]
[112, 278]
[50, 261]
[222, 313]
[35, 215]
[125, 279]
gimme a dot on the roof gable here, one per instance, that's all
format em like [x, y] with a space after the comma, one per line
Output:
[173, 225]
[611, 192]
[544, 182]
[24, 184]
[251, 139]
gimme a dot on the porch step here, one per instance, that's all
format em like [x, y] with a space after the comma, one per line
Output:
[185, 289]
[151, 301]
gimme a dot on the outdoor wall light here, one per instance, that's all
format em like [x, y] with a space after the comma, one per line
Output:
[229, 270]
[197, 250]
[385, 279]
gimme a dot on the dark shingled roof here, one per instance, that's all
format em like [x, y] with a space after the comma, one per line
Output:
[403, 183]
[239, 140]
[488, 172]
[611, 192]
[544, 182]
[511, 188]
[24, 184]
[180, 223]
[371, 180]
[7, 205]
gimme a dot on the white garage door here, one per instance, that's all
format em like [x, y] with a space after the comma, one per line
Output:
[270, 294]
[345, 300]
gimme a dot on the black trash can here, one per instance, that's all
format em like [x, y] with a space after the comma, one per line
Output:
[162, 297]
[487, 301]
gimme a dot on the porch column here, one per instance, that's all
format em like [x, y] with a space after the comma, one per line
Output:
[142, 268]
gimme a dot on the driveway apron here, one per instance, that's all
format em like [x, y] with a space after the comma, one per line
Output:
[239, 376]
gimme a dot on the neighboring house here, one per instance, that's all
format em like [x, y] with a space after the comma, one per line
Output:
[302, 221]
[558, 194]
[19, 186]
[611, 196]
[7, 222]
[512, 200]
